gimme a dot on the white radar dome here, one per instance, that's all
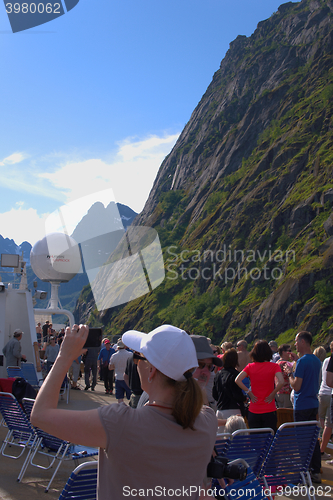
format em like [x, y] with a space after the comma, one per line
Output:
[56, 258]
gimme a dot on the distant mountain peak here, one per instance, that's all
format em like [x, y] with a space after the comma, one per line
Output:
[100, 220]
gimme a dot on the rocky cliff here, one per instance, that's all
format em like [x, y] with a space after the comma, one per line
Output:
[243, 203]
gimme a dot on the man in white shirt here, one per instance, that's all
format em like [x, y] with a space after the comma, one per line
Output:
[117, 363]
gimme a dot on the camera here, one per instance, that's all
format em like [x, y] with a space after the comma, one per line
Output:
[94, 338]
[219, 467]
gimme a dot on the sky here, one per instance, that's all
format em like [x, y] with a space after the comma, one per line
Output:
[93, 101]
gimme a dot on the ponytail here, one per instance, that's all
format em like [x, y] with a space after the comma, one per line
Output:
[188, 401]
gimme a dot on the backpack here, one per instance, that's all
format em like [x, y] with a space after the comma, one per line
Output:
[22, 389]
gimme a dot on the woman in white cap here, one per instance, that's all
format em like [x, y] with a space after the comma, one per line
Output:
[161, 449]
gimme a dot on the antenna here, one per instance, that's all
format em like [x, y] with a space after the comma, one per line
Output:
[56, 259]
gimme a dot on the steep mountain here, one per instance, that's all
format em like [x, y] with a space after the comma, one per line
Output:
[243, 203]
[9, 246]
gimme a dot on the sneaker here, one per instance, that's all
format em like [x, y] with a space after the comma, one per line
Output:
[316, 477]
[93, 388]
[325, 456]
[329, 462]
[87, 387]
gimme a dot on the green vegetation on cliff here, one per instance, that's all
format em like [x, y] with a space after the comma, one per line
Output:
[243, 203]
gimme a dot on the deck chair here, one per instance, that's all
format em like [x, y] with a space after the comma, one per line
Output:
[6, 385]
[30, 375]
[288, 459]
[14, 371]
[20, 433]
[222, 443]
[251, 445]
[82, 483]
[56, 450]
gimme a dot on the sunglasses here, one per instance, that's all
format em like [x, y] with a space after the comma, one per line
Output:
[137, 356]
[203, 365]
[287, 350]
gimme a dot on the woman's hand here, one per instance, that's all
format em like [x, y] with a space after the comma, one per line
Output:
[270, 397]
[287, 369]
[74, 340]
[253, 398]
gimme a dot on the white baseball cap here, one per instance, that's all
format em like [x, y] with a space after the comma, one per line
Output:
[168, 348]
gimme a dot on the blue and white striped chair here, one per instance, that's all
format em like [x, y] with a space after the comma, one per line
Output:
[21, 435]
[57, 450]
[288, 458]
[82, 483]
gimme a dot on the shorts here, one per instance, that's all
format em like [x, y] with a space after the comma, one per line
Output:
[121, 388]
[283, 401]
[76, 370]
[325, 409]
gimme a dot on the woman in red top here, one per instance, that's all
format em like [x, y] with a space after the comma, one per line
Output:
[262, 373]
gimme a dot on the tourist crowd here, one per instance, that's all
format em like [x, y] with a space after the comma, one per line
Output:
[153, 371]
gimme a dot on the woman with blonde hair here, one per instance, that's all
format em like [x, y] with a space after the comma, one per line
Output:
[320, 352]
[147, 450]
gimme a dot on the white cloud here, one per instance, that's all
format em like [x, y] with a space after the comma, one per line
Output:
[22, 225]
[130, 175]
[14, 158]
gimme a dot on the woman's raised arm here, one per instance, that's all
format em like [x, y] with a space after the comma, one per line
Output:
[79, 427]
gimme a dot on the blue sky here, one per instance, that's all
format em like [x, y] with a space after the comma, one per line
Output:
[96, 99]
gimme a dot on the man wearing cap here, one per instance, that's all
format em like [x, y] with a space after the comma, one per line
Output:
[207, 361]
[118, 364]
[12, 350]
[103, 360]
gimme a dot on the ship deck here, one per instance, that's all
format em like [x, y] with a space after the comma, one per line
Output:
[35, 480]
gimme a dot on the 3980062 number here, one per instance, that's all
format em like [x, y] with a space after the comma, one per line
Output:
[33, 8]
